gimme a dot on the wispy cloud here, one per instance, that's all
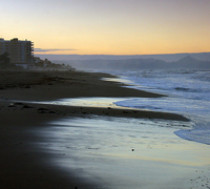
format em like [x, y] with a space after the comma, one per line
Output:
[52, 50]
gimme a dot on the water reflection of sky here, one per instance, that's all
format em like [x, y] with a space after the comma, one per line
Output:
[89, 102]
[101, 148]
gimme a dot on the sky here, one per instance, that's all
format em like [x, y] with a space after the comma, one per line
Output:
[119, 27]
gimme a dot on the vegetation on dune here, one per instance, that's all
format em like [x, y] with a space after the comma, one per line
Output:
[46, 64]
[38, 64]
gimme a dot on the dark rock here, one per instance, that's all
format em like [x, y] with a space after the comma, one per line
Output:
[26, 106]
[40, 111]
[125, 112]
[27, 86]
[43, 109]
[18, 103]
[11, 105]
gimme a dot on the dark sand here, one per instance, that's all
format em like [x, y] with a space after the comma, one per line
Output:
[55, 85]
[24, 165]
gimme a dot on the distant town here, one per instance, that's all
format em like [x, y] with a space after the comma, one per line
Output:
[16, 53]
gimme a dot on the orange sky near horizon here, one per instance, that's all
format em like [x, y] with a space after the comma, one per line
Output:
[118, 27]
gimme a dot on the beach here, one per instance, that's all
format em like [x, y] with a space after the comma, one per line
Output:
[22, 116]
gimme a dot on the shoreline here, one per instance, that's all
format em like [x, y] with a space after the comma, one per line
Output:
[23, 163]
[27, 167]
[78, 111]
[33, 85]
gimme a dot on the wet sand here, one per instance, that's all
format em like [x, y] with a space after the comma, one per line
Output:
[24, 165]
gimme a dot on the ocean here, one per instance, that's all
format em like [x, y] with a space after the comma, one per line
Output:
[122, 153]
[188, 94]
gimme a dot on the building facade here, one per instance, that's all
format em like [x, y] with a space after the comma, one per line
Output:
[20, 52]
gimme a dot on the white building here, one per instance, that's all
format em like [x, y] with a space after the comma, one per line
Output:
[20, 52]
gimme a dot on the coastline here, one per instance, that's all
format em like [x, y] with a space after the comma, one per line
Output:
[33, 85]
[26, 167]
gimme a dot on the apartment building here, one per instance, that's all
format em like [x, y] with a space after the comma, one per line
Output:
[20, 52]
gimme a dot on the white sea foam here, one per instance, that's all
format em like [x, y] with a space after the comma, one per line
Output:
[188, 94]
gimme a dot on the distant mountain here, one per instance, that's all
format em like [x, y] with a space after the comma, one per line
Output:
[164, 57]
[123, 65]
[108, 63]
[192, 63]
[137, 64]
[187, 60]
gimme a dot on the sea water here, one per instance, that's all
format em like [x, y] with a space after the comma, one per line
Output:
[122, 153]
[188, 94]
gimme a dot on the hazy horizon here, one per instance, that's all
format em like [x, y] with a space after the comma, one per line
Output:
[205, 56]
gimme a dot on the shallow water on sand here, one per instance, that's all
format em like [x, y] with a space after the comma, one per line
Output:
[86, 101]
[122, 153]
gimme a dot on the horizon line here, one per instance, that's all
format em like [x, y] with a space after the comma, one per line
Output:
[124, 54]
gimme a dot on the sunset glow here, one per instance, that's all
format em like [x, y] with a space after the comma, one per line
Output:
[109, 27]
